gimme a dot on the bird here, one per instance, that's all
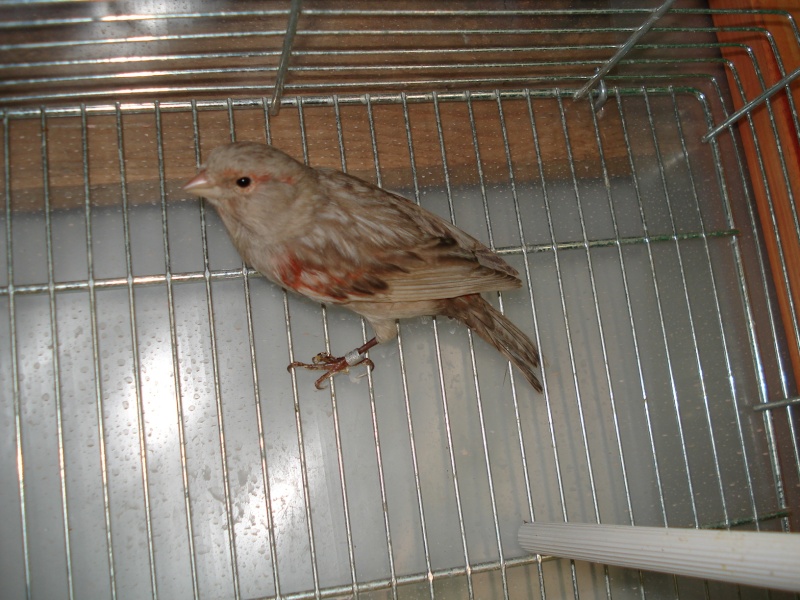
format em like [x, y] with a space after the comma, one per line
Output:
[337, 239]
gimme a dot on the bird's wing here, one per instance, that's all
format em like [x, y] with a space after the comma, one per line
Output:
[369, 244]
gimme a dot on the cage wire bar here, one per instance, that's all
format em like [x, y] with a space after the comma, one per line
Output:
[145, 456]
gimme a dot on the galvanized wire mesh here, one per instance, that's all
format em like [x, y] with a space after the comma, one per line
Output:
[156, 446]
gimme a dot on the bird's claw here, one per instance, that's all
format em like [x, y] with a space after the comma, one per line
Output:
[323, 358]
[331, 365]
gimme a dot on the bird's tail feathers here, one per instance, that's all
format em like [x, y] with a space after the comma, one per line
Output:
[489, 323]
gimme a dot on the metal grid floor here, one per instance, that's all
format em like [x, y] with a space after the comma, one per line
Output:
[168, 453]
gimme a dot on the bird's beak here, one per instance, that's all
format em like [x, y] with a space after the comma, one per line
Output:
[199, 185]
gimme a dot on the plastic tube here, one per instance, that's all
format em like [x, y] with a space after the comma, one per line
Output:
[764, 559]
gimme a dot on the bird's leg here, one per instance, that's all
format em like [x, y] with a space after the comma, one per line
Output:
[337, 364]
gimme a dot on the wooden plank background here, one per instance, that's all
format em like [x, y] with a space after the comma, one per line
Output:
[64, 154]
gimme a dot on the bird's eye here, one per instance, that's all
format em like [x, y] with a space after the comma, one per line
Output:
[243, 182]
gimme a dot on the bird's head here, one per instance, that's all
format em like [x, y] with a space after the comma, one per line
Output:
[236, 172]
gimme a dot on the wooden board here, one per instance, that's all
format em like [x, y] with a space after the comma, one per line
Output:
[771, 185]
[65, 161]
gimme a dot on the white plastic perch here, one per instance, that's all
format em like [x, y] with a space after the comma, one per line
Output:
[764, 559]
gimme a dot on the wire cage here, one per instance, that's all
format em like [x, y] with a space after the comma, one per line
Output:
[635, 162]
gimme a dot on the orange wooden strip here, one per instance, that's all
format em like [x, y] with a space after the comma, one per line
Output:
[771, 184]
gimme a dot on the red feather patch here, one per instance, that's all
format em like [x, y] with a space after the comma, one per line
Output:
[314, 281]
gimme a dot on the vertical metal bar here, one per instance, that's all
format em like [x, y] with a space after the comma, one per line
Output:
[302, 453]
[744, 174]
[248, 304]
[758, 366]
[12, 324]
[98, 392]
[718, 309]
[262, 446]
[478, 398]
[273, 549]
[629, 307]
[787, 189]
[371, 389]
[445, 410]
[298, 423]
[136, 367]
[176, 367]
[286, 54]
[692, 328]
[635, 181]
[404, 379]
[184, 471]
[662, 321]
[62, 466]
[578, 398]
[600, 331]
[415, 464]
[452, 456]
[793, 434]
[624, 49]
[612, 395]
[217, 389]
[174, 337]
[529, 284]
[784, 375]
[693, 332]
[550, 423]
[334, 407]
[172, 325]
[562, 299]
[791, 23]
[684, 150]
[337, 436]
[374, 142]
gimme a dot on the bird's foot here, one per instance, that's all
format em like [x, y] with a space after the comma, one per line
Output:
[333, 364]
